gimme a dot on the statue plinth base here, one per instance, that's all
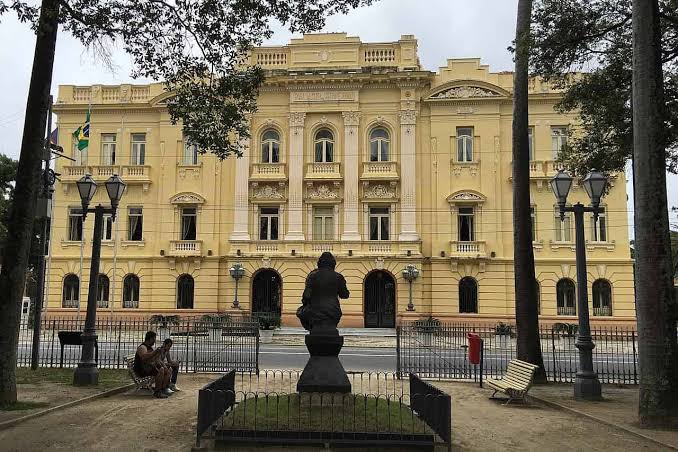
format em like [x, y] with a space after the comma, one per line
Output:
[323, 371]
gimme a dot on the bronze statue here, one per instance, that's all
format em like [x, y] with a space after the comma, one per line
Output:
[320, 303]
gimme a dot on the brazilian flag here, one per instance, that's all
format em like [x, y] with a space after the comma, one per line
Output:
[81, 135]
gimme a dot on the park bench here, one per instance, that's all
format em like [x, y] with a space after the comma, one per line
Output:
[517, 381]
[140, 382]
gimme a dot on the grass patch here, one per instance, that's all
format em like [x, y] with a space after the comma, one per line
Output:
[336, 413]
[108, 378]
[22, 406]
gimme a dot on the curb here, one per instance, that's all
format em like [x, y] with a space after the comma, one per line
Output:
[558, 406]
[12, 422]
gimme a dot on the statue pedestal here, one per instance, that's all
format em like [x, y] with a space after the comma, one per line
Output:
[323, 371]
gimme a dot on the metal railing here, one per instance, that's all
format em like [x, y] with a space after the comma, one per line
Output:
[567, 310]
[200, 345]
[442, 351]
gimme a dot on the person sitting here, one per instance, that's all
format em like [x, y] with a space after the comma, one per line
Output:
[146, 364]
[170, 364]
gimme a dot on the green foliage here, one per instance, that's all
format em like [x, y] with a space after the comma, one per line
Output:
[8, 168]
[567, 329]
[595, 36]
[215, 320]
[427, 325]
[674, 252]
[108, 378]
[164, 320]
[23, 405]
[198, 50]
[503, 329]
[268, 321]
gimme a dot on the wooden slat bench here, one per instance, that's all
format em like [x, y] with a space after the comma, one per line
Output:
[141, 382]
[517, 381]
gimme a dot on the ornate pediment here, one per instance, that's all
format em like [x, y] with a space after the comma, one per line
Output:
[267, 191]
[380, 191]
[466, 196]
[187, 198]
[323, 192]
[464, 92]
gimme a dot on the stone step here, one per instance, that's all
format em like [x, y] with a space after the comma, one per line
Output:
[354, 332]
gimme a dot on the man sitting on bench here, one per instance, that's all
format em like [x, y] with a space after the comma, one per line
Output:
[146, 363]
[170, 364]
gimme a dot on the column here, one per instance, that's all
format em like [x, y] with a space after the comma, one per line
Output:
[351, 164]
[408, 176]
[295, 231]
[241, 213]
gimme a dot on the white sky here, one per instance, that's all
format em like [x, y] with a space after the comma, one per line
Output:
[444, 29]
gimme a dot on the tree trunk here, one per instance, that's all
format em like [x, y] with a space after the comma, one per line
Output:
[527, 314]
[20, 226]
[656, 314]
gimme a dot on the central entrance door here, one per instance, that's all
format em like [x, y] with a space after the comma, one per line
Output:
[379, 300]
[266, 293]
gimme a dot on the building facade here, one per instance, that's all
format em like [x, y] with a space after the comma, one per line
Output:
[355, 149]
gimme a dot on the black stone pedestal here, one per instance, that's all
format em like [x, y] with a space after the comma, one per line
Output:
[323, 371]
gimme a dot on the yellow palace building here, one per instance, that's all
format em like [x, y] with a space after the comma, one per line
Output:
[355, 149]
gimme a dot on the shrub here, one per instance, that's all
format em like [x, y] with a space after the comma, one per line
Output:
[268, 322]
[427, 325]
[164, 320]
[503, 329]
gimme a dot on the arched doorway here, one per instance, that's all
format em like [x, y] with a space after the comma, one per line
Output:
[266, 293]
[380, 302]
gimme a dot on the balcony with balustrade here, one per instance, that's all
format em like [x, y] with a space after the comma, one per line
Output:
[185, 248]
[468, 250]
[323, 171]
[268, 172]
[314, 248]
[380, 171]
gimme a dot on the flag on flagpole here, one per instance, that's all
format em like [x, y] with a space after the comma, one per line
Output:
[81, 135]
[54, 136]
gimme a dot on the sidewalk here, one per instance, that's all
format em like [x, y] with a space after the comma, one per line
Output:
[353, 337]
[619, 408]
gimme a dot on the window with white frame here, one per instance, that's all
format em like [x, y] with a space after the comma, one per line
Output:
[138, 149]
[130, 291]
[108, 228]
[71, 291]
[270, 146]
[190, 156]
[269, 220]
[379, 145]
[530, 142]
[558, 139]
[464, 144]
[323, 223]
[466, 223]
[380, 218]
[599, 226]
[108, 147]
[189, 217]
[80, 156]
[135, 222]
[324, 146]
[74, 224]
[533, 222]
[563, 228]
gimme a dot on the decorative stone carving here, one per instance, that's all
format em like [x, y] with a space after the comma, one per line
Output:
[124, 93]
[408, 117]
[465, 92]
[379, 263]
[187, 198]
[351, 118]
[266, 192]
[323, 191]
[266, 262]
[379, 191]
[322, 96]
[465, 111]
[297, 119]
[465, 196]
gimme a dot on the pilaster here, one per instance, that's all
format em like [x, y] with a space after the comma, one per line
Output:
[408, 171]
[240, 215]
[295, 231]
[351, 163]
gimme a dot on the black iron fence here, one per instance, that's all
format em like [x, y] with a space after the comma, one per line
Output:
[202, 345]
[440, 350]
[381, 410]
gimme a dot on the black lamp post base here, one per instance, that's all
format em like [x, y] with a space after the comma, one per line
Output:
[587, 387]
[86, 375]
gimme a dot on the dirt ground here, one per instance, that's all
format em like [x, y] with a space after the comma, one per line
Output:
[138, 422]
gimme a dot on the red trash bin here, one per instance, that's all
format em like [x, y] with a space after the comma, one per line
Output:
[474, 344]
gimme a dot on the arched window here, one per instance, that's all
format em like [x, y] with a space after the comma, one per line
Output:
[270, 147]
[565, 292]
[103, 284]
[468, 295]
[130, 291]
[185, 292]
[379, 144]
[324, 146]
[71, 292]
[602, 298]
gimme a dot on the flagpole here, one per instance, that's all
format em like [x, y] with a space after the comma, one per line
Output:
[82, 227]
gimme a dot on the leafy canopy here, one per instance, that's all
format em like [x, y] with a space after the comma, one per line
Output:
[8, 168]
[196, 47]
[594, 37]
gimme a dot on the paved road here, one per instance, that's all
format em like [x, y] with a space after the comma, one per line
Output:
[295, 357]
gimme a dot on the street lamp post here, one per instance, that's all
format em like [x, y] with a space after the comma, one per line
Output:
[237, 272]
[586, 385]
[410, 273]
[87, 372]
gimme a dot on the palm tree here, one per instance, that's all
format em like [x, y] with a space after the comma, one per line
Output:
[655, 306]
[527, 314]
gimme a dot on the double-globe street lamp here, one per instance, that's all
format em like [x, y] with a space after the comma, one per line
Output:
[87, 373]
[586, 385]
[410, 273]
[237, 271]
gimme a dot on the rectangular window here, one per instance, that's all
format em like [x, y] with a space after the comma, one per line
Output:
[135, 224]
[268, 223]
[138, 149]
[530, 142]
[563, 228]
[108, 228]
[533, 221]
[190, 156]
[323, 223]
[75, 224]
[188, 223]
[466, 224]
[600, 226]
[79, 156]
[558, 140]
[379, 223]
[108, 144]
[465, 144]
